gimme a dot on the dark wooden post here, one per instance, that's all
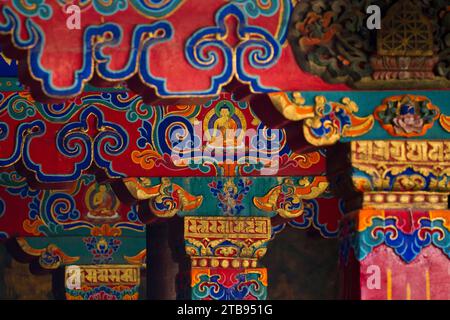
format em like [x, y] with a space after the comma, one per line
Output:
[166, 260]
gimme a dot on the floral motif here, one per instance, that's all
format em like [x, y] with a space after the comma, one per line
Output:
[407, 116]
[102, 249]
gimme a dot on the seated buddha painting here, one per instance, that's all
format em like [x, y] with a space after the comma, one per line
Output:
[102, 203]
[224, 127]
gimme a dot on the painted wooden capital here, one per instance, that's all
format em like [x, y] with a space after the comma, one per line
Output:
[224, 254]
[392, 174]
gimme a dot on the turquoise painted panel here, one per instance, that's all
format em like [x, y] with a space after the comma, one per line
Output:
[368, 101]
[87, 250]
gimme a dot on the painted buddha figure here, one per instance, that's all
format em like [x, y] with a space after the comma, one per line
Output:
[101, 204]
[225, 128]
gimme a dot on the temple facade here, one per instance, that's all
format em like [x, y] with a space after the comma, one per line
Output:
[173, 142]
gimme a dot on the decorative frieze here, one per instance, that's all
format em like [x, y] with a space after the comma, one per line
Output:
[398, 200]
[224, 254]
[102, 282]
[402, 165]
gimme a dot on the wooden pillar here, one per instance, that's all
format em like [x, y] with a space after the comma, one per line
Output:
[395, 254]
[396, 233]
[166, 260]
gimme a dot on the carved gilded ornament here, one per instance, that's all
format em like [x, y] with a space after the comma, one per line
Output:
[407, 115]
[401, 165]
[415, 29]
[226, 241]
[324, 123]
[139, 259]
[411, 50]
[405, 45]
[166, 198]
[286, 198]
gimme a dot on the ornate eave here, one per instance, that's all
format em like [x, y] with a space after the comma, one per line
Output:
[138, 136]
[230, 47]
[31, 37]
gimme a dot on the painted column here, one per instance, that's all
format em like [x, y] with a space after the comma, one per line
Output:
[395, 237]
[224, 254]
[227, 226]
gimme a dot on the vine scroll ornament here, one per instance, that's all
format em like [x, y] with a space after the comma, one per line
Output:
[325, 122]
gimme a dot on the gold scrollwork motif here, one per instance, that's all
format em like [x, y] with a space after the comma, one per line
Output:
[286, 198]
[326, 122]
[294, 108]
[166, 199]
